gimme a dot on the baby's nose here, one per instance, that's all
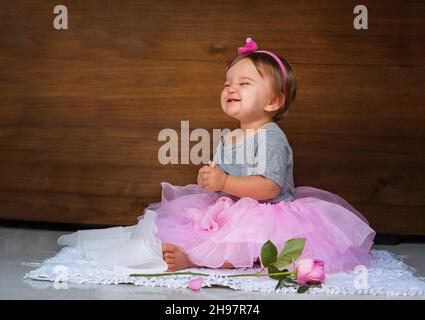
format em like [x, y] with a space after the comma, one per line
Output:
[232, 88]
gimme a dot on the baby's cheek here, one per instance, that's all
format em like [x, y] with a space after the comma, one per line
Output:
[223, 99]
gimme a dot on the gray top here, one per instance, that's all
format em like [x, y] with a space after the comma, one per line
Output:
[266, 152]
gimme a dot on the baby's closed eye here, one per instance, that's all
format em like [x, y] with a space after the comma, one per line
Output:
[226, 85]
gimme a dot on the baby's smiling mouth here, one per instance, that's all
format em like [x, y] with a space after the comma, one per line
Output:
[232, 100]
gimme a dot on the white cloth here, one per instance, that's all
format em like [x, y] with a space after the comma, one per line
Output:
[133, 249]
[109, 256]
[387, 276]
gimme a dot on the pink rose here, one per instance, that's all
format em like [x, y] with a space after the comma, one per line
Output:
[310, 271]
[196, 284]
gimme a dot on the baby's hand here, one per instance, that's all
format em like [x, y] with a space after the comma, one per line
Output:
[212, 178]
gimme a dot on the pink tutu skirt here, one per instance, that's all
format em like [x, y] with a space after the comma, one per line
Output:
[214, 227]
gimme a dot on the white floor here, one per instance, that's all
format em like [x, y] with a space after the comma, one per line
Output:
[19, 247]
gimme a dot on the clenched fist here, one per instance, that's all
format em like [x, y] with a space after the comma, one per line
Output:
[212, 178]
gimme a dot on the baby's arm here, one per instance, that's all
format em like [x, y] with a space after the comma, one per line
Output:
[255, 187]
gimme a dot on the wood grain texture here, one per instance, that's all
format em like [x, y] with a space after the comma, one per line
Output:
[81, 109]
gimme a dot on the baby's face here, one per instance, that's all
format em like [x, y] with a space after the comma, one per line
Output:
[246, 94]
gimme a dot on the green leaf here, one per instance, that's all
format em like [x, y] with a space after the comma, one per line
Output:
[268, 253]
[279, 285]
[290, 281]
[271, 269]
[290, 253]
[302, 289]
[285, 282]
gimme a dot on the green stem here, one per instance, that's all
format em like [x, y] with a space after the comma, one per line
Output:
[260, 274]
[206, 274]
[168, 274]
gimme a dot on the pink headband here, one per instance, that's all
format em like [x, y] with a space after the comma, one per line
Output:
[251, 46]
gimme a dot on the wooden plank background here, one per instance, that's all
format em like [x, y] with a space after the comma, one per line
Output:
[81, 109]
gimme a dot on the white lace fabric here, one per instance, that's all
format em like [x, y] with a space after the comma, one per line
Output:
[386, 275]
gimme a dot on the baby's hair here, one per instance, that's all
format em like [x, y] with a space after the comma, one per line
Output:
[264, 62]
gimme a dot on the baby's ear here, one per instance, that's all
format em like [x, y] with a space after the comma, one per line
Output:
[282, 99]
[275, 103]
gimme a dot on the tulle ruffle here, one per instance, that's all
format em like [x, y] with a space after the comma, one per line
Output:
[214, 227]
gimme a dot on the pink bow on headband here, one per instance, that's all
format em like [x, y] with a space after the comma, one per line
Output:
[249, 47]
